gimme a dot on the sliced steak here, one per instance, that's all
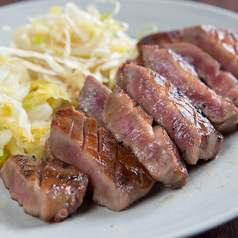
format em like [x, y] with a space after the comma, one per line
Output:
[152, 146]
[92, 101]
[93, 90]
[50, 191]
[221, 44]
[116, 178]
[220, 111]
[193, 134]
[208, 69]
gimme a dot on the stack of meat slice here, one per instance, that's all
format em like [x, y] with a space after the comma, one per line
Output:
[119, 143]
[208, 69]
[132, 126]
[221, 112]
[220, 43]
[51, 191]
[192, 133]
[187, 64]
[127, 114]
[116, 178]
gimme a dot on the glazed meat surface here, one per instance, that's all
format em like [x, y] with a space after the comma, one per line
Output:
[193, 134]
[220, 111]
[151, 145]
[116, 178]
[220, 43]
[51, 191]
[208, 69]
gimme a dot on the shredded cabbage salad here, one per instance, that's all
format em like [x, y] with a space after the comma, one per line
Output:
[46, 65]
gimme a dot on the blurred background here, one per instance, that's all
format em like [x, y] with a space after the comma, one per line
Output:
[227, 4]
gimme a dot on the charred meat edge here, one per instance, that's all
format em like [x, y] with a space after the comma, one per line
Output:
[95, 94]
[116, 178]
[151, 145]
[208, 70]
[191, 132]
[220, 111]
[51, 191]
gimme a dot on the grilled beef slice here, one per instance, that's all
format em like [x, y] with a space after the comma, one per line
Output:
[220, 43]
[193, 134]
[50, 191]
[151, 145]
[92, 97]
[220, 50]
[91, 91]
[220, 111]
[208, 69]
[116, 178]
[91, 100]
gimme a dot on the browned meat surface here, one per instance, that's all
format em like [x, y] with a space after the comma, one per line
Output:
[221, 44]
[193, 134]
[208, 69]
[116, 178]
[152, 146]
[50, 191]
[220, 111]
[161, 38]
[93, 90]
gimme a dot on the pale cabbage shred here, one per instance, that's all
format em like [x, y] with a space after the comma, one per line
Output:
[46, 66]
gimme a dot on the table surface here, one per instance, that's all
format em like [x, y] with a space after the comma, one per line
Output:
[229, 229]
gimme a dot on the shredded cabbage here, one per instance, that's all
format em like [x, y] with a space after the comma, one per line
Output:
[46, 65]
[26, 109]
[68, 44]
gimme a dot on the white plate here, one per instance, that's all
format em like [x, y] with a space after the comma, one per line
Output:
[211, 195]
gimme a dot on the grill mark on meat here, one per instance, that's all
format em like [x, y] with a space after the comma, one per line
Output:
[217, 42]
[90, 134]
[152, 146]
[220, 111]
[208, 69]
[99, 142]
[174, 111]
[220, 43]
[51, 191]
[110, 178]
[92, 87]
[120, 152]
